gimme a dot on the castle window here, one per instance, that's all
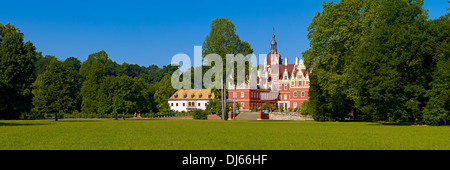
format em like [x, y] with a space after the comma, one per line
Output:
[285, 77]
[303, 94]
[242, 94]
[295, 94]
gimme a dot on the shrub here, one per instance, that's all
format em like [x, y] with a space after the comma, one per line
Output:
[199, 114]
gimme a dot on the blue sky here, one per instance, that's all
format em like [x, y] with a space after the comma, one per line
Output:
[151, 32]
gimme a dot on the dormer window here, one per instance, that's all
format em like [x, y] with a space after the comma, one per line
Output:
[285, 77]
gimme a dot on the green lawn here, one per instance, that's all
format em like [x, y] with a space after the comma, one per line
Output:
[216, 134]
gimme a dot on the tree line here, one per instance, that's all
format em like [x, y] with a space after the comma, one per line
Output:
[37, 85]
[379, 61]
[33, 85]
[372, 60]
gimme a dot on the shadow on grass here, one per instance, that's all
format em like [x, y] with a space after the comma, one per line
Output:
[265, 121]
[79, 120]
[20, 124]
[398, 123]
[391, 123]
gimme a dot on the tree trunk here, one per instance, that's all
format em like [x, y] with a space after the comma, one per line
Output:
[116, 115]
[223, 102]
[123, 115]
[56, 116]
[234, 103]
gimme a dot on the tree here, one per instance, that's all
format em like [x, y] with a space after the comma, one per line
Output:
[120, 94]
[162, 94]
[304, 108]
[373, 59]
[437, 109]
[223, 40]
[126, 96]
[93, 70]
[332, 33]
[390, 75]
[54, 90]
[42, 63]
[73, 66]
[16, 72]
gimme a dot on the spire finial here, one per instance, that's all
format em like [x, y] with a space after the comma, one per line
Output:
[273, 43]
[273, 31]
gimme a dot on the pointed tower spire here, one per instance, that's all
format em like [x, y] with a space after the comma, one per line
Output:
[273, 43]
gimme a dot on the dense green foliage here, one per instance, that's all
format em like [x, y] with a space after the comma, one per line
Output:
[222, 40]
[97, 87]
[104, 88]
[16, 72]
[54, 91]
[371, 60]
[99, 134]
[379, 61]
[199, 114]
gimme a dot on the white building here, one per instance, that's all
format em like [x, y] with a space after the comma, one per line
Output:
[190, 99]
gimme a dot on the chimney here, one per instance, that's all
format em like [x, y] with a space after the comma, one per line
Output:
[286, 61]
[296, 61]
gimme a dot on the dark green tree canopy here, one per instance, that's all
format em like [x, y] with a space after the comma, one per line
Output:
[54, 90]
[374, 60]
[16, 72]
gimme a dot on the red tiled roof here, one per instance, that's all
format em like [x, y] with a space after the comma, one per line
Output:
[290, 68]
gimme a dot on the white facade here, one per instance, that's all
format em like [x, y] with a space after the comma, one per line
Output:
[190, 99]
[187, 105]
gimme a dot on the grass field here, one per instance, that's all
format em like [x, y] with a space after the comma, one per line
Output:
[99, 134]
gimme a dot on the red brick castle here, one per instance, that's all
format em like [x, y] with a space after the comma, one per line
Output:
[279, 83]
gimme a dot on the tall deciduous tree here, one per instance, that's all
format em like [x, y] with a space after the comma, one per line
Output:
[333, 33]
[54, 90]
[223, 40]
[16, 72]
[437, 110]
[375, 60]
[73, 65]
[163, 92]
[93, 70]
[120, 94]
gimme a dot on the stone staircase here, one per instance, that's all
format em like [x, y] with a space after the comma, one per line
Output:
[247, 116]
